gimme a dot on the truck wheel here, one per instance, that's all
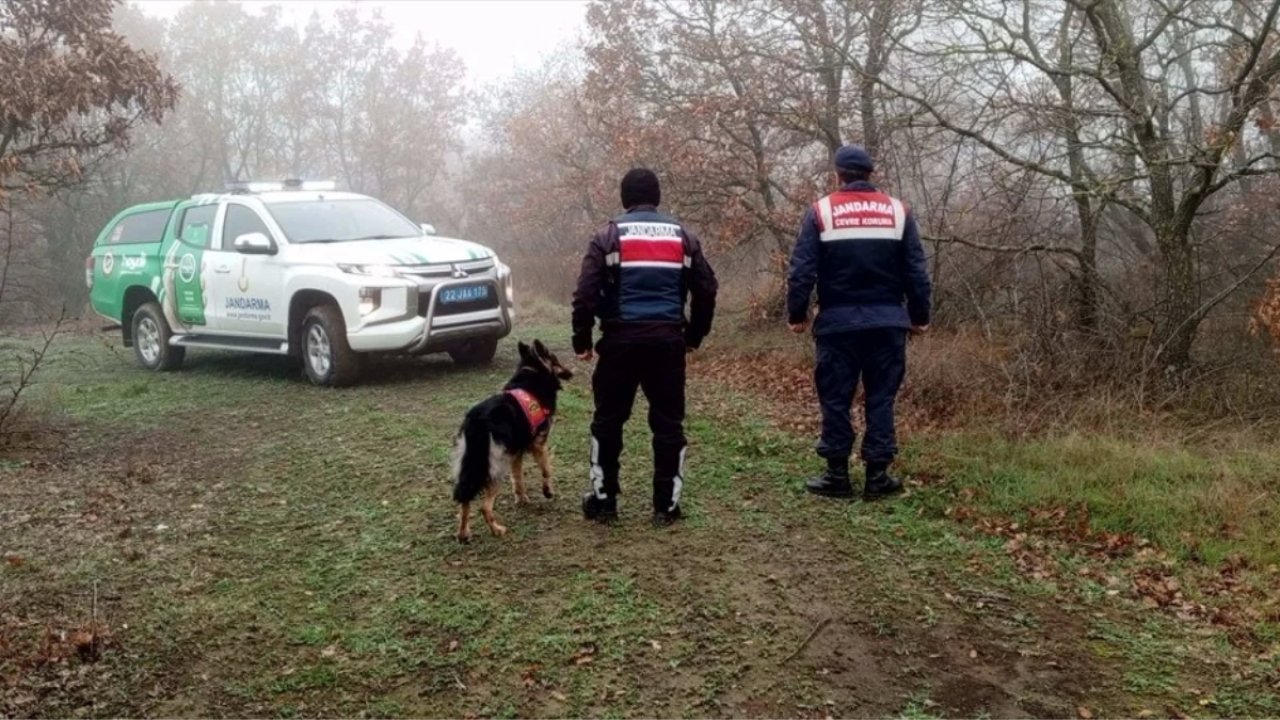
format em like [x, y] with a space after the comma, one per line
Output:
[151, 340]
[477, 351]
[327, 358]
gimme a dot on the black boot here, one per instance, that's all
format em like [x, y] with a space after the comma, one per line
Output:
[664, 518]
[835, 482]
[602, 510]
[880, 484]
[665, 511]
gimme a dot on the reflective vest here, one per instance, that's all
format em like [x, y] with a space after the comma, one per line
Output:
[648, 266]
[862, 257]
[850, 215]
[535, 412]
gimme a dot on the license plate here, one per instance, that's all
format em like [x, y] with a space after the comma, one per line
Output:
[467, 293]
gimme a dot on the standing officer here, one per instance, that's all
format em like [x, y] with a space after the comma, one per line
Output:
[635, 277]
[862, 249]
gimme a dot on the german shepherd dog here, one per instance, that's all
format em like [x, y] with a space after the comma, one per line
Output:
[498, 432]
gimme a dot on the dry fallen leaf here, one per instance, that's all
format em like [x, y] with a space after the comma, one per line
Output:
[585, 654]
[1084, 713]
[656, 645]
[559, 696]
[14, 560]
[973, 653]
[329, 651]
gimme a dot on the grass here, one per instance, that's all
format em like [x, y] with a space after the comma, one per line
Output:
[261, 547]
[1203, 506]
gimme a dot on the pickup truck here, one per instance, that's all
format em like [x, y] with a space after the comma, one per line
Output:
[295, 269]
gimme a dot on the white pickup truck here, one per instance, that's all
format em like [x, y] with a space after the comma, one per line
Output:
[299, 269]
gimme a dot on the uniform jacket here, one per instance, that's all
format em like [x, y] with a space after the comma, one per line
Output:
[636, 275]
[862, 250]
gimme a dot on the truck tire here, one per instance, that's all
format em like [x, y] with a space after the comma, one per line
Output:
[151, 333]
[475, 352]
[327, 357]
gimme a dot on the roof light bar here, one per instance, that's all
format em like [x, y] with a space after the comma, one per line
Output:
[244, 186]
[254, 187]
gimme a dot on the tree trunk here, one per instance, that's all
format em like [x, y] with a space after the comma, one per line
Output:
[877, 58]
[1089, 281]
[1179, 293]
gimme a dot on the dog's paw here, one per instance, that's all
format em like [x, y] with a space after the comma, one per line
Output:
[464, 538]
[522, 499]
[548, 493]
[498, 530]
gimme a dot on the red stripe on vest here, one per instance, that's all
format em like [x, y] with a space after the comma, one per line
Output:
[535, 412]
[861, 210]
[651, 251]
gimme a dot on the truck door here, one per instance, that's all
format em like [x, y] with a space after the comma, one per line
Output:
[248, 285]
[186, 296]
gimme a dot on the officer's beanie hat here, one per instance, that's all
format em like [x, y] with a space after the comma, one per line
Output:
[854, 158]
[640, 187]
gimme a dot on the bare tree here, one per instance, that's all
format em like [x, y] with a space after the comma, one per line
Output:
[73, 92]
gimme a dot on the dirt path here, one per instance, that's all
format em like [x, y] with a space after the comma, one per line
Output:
[259, 547]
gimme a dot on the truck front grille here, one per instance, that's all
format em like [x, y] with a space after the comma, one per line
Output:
[448, 270]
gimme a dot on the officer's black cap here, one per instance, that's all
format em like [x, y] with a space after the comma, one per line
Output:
[854, 158]
[640, 187]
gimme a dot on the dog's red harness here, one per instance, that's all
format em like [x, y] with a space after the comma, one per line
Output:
[535, 412]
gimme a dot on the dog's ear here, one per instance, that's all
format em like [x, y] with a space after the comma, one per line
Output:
[552, 362]
[526, 355]
[542, 350]
[529, 358]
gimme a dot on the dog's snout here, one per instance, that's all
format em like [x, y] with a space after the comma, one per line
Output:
[564, 373]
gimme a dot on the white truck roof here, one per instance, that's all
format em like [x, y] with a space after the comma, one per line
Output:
[277, 196]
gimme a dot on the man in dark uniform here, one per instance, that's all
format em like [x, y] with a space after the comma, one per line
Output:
[636, 275]
[862, 249]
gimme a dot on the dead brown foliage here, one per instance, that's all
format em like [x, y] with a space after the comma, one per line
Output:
[1267, 315]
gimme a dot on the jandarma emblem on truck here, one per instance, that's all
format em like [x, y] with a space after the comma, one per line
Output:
[187, 267]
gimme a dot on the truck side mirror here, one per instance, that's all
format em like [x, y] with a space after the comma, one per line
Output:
[428, 229]
[254, 244]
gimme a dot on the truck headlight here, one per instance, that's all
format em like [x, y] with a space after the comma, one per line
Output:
[370, 300]
[369, 270]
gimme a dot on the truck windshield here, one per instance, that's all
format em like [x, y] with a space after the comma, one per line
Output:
[309, 221]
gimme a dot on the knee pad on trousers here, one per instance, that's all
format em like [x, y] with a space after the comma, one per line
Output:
[604, 481]
[667, 490]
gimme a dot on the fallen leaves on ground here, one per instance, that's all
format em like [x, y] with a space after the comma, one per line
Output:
[1122, 563]
[585, 654]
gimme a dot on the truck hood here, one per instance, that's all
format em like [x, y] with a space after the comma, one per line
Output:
[425, 250]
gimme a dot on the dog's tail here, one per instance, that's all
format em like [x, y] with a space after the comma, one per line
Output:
[472, 473]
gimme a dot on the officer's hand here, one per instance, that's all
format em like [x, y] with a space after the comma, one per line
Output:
[799, 327]
[587, 356]
[919, 329]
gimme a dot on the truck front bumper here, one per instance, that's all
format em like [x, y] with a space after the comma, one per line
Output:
[430, 331]
[442, 330]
